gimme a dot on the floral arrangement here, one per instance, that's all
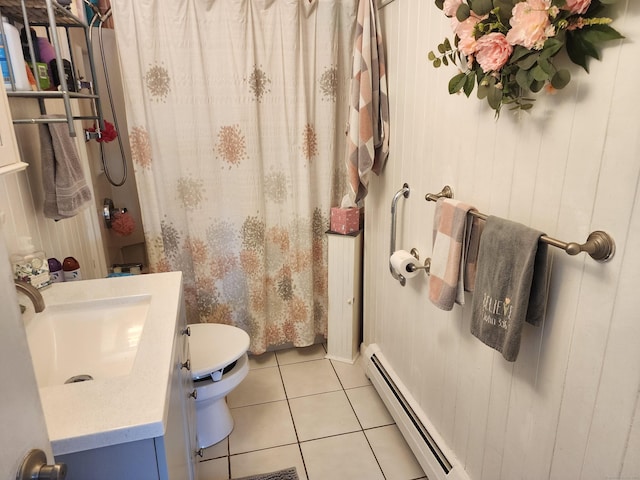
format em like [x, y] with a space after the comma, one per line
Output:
[507, 47]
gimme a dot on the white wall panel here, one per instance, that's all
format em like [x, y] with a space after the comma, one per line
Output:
[567, 168]
[22, 202]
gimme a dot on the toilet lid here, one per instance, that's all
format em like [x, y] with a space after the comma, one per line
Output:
[213, 346]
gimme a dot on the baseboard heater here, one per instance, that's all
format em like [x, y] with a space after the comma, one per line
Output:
[427, 446]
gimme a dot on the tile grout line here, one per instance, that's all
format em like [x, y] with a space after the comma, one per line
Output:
[286, 396]
[359, 422]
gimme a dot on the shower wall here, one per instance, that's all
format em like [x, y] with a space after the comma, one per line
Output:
[21, 200]
[569, 406]
[119, 249]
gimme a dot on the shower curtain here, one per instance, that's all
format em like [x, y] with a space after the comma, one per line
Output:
[236, 112]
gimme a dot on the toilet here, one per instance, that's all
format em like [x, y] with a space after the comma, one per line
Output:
[219, 363]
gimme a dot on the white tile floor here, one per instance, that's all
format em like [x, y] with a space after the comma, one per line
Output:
[296, 408]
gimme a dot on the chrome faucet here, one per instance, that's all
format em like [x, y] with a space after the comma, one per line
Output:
[33, 293]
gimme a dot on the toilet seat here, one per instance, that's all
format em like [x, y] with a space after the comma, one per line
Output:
[213, 346]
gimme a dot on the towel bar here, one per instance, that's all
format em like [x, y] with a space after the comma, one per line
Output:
[599, 245]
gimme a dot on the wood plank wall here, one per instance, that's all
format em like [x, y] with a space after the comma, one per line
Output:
[21, 201]
[569, 407]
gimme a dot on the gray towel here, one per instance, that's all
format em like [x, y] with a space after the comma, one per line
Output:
[65, 188]
[511, 285]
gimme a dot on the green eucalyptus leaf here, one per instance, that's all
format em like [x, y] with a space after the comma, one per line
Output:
[523, 79]
[445, 61]
[529, 61]
[447, 44]
[463, 12]
[437, 62]
[536, 86]
[494, 97]
[551, 47]
[547, 66]
[469, 83]
[504, 8]
[519, 52]
[481, 7]
[457, 83]
[526, 106]
[483, 91]
[439, 4]
[539, 74]
[561, 79]
[441, 48]
[431, 56]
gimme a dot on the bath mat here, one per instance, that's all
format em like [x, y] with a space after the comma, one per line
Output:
[286, 474]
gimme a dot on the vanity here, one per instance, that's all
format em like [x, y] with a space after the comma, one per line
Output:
[128, 410]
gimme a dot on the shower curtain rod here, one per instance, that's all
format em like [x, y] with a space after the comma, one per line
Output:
[599, 245]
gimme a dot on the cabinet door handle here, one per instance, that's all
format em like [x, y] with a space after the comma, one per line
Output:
[194, 394]
[186, 331]
[186, 364]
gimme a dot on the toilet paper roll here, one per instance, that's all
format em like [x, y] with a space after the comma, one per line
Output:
[400, 261]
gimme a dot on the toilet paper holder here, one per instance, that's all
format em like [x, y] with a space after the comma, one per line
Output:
[426, 265]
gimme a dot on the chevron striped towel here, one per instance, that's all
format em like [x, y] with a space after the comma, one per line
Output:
[368, 127]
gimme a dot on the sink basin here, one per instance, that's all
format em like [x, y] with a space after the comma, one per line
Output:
[121, 332]
[86, 340]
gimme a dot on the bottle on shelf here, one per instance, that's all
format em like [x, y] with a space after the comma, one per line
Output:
[55, 269]
[71, 269]
[12, 59]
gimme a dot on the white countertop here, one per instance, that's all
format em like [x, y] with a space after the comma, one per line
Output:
[103, 412]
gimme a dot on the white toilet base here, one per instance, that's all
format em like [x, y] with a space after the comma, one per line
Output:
[214, 423]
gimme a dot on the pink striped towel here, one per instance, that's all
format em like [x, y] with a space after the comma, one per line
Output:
[451, 232]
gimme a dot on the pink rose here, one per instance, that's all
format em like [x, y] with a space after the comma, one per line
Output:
[530, 25]
[577, 6]
[450, 7]
[493, 51]
[464, 31]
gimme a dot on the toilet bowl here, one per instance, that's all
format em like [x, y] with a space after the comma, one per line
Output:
[219, 363]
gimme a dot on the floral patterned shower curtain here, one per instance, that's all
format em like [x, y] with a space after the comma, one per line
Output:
[236, 112]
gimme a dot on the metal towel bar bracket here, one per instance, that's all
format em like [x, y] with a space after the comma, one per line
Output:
[599, 245]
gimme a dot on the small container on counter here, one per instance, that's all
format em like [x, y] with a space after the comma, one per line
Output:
[71, 269]
[30, 265]
[55, 270]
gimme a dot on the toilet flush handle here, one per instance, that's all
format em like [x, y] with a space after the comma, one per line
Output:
[216, 376]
